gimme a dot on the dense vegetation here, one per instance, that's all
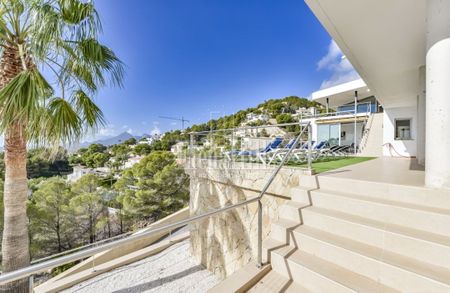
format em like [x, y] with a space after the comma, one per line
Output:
[272, 107]
[39, 163]
[64, 215]
[278, 109]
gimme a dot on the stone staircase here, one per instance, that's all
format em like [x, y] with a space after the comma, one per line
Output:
[372, 140]
[360, 236]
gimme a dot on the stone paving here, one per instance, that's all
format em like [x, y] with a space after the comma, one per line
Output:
[172, 270]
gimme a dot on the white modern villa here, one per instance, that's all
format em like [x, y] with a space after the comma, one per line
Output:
[353, 117]
[401, 50]
[382, 225]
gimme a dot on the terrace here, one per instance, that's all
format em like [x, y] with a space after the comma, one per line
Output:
[299, 208]
[308, 158]
[242, 207]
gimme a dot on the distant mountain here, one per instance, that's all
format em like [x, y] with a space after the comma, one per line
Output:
[115, 139]
[139, 137]
[108, 141]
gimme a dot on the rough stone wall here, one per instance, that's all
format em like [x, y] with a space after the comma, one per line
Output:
[226, 242]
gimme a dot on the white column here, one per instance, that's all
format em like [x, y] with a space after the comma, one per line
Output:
[437, 167]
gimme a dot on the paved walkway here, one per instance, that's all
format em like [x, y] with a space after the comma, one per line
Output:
[172, 270]
[384, 169]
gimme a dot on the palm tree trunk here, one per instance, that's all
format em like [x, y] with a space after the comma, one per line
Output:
[15, 244]
[58, 232]
[15, 251]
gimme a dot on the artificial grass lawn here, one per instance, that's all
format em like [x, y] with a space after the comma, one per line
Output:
[327, 164]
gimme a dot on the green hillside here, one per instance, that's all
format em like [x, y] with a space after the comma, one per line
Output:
[274, 108]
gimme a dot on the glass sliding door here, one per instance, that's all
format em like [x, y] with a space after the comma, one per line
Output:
[330, 133]
[335, 134]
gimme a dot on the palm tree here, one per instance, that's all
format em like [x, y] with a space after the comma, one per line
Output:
[51, 65]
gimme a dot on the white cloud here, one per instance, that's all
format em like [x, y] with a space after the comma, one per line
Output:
[333, 53]
[108, 130]
[339, 67]
[155, 130]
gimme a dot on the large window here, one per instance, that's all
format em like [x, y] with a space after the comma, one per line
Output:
[403, 129]
[329, 133]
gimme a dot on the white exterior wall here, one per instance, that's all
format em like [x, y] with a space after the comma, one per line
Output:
[313, 130]
[349, 128]
[402, 147]
[437, 166]
[421, 117]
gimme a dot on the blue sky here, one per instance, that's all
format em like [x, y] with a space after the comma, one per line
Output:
[204, 58]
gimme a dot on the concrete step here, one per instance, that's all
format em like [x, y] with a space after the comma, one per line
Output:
[394, 270]
[402, 193]
[290, 210]
[282, 230]
[243, 279]
[295, 288]
[319, 275]
[274, 282]
[421, 245]
[430, 219]
[269, 244]
[301, 194]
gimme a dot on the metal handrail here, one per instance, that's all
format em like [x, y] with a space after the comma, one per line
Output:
[245, 128]
[49, 264]
[301, 122]
[52, 263]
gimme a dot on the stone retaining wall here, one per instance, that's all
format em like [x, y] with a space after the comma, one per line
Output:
[228, 241]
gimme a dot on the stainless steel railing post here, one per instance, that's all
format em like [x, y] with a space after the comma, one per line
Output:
[31, 283]
[260, 211]
[309, 147]
[93, 263]
[232, 146]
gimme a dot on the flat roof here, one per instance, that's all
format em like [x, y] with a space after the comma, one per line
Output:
[383, 40]
[341, 94]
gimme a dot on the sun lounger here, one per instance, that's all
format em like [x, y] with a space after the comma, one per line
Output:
[257, 154]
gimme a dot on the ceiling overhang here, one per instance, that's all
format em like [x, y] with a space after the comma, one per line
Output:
[383, 39]
[342, 94]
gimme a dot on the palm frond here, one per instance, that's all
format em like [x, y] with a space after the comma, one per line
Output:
[22, 96]
[74, 12]
[64, 120]
[88, 110]
[60, 35]
[101, 59]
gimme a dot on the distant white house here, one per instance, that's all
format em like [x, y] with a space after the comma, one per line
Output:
[146, 140]
[305, 112]
[178, 147]
[132, 161]
[149, 139]
[80, 171]
[270, 131]
[252, 117]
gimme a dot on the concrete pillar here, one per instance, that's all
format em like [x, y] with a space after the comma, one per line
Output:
[421, 106]
[437, 167]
